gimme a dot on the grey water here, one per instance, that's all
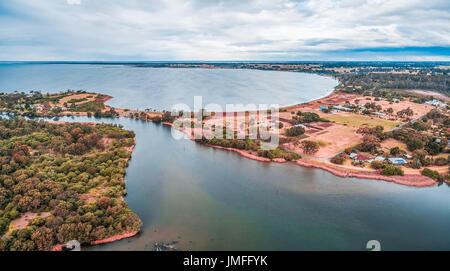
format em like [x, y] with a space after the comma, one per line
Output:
[209, 199]
[161, 88]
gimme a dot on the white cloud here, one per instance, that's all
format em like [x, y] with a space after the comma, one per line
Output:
[74, 2]
[218, 30]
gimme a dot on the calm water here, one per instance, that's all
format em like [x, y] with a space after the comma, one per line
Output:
[161, 88]
[211, 199]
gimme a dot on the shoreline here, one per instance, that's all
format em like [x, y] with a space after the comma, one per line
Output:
[117, 237]
[407, 179]
[413, 180]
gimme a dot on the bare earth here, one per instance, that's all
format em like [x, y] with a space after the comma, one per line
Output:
[430, 93]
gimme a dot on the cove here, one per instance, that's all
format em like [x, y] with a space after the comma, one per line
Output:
[209, 199]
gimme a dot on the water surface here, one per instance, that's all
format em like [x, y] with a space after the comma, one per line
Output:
[161, 88]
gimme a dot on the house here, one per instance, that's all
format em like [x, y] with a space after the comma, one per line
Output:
[407, 156]
[433, 102]
[379, 113]
[340, 107]
[397, 161]
[360, 157]
[437, 140]
[395, 100]
[300, 125]
[380, 158]
[323, 107]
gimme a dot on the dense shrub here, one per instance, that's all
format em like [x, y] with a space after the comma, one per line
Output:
[340, 159]
[295, 131]
[167, 117]
[390, 170]
[431, 173]
[309, 147]
[278, 153]
[414, 144]
[377, 164]
[441, 161]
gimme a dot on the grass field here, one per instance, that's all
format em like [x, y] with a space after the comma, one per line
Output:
[358, 121]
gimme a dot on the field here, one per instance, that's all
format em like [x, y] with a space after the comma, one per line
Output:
[360, 120]
[418, 109]
[77, 99]
[332, 140]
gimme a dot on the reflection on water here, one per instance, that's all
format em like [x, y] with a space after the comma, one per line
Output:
[209, 199]
[161, 88]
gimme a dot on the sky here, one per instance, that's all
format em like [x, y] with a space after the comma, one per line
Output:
[213, 30]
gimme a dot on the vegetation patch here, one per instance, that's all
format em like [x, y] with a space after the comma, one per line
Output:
[49, 167]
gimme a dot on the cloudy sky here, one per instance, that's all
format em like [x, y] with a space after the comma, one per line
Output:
[224, 30]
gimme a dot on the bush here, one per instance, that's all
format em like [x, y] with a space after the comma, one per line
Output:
[310, 117]
[156, 119]
[391, 170]
[295, 131]
[279, 153]
[415, 164]
[309, 147]
[377, 164]
[338, 160]
[440, 161]
[431, 173]
[414, 144]
[167, 117]
[395, 151]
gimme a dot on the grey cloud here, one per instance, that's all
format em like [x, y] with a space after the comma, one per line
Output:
[214, 29]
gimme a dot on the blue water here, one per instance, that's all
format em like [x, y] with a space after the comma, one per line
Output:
[161, 88]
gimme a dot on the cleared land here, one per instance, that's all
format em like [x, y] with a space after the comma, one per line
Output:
[357, 121]
[332, 140]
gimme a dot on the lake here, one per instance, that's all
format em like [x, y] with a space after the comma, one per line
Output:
[210, 199]
[161, 88]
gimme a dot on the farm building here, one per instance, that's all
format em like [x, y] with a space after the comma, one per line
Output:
[300, 125]
[360, 157]
[340, 107]
[397, 161]
[379, 113]
[434, 102]
[407, 156]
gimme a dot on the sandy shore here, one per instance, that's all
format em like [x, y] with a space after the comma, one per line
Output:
[111, 239]
[115, 238]
[407, 179]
